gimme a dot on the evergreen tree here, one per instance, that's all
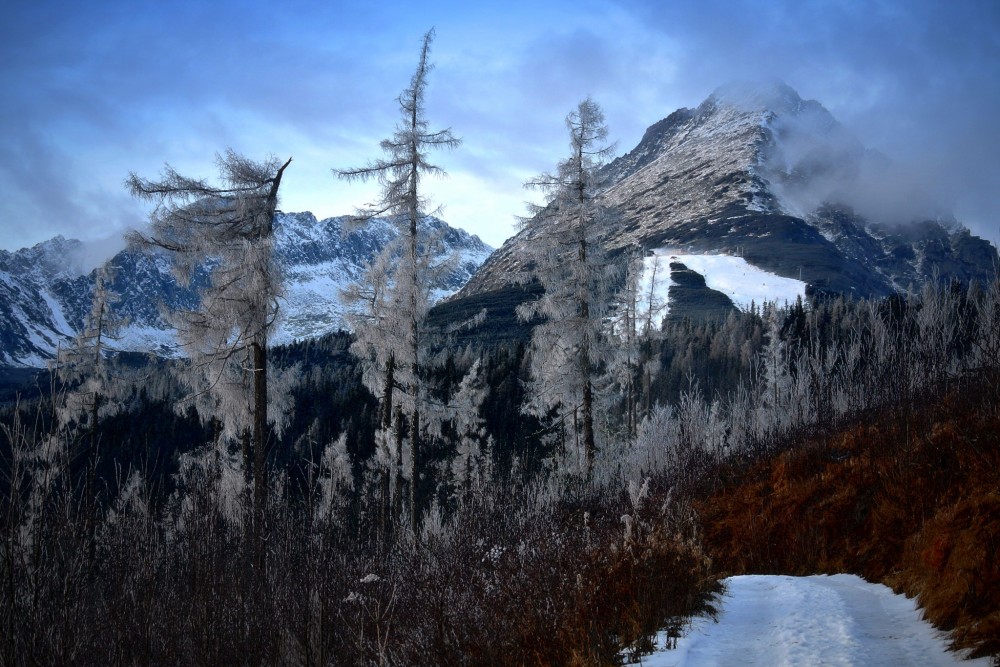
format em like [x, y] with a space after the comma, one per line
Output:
[471, 468]
[84, 366]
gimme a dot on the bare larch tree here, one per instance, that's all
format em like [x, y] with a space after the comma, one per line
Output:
[391, 335]
[568, 346]
[230, 229]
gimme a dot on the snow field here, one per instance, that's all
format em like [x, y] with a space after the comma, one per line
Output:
[839, 620]
[742, 282]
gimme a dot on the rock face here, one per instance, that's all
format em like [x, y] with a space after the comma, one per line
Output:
[757, 171]
[45, 295]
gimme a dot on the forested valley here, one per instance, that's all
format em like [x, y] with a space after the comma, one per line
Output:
[129, 543]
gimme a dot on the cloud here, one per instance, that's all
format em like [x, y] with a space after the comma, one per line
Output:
[915, 80]
[93, 91]
[96, 252]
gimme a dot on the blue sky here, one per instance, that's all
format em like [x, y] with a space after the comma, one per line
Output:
[92, 91]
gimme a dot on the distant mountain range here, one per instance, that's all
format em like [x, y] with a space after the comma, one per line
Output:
[758, 172]
[44, 296]
[754, 172]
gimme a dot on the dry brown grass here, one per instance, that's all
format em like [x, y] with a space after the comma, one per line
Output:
[952, 565]
[911, 499]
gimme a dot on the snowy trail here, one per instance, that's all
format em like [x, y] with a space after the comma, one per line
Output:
[818, 620]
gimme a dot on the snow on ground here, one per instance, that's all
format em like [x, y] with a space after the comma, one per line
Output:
[742, 282]
[58, 317]
[770, 621]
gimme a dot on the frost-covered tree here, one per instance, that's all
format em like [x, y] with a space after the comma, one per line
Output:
[392, 337]
[624, 364]
[334, 478]
[986, 344]
[230, 228]
[84, 367]
[635, 324]
[569, 346]
[471, 468]
[775, 377]
[373, 316]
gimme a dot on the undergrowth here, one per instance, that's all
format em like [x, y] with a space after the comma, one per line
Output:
[510, 578]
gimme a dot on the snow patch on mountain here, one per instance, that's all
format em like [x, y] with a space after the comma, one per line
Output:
[743, 283]
[156, 340]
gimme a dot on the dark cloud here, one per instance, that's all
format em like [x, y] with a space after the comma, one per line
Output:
[93, 90]
[917, 80]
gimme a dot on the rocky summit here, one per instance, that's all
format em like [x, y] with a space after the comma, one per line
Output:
[757, 172]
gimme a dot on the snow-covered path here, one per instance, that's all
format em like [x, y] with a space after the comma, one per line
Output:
[818, 620]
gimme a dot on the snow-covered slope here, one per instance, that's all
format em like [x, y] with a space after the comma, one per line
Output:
[44, 294]
[319, 259]
[829, 621]
[758, 172]
[33, 311]
[742, 283]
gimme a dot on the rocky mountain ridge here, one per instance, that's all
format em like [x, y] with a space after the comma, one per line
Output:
[45, 295]
[757, 171]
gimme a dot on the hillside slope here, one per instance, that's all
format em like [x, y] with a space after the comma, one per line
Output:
[908, 497]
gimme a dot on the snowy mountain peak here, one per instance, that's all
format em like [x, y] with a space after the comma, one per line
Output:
[757, 171]
[773, 96]
[44, 294]
[57, 256]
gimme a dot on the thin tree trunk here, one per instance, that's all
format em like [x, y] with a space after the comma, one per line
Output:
[647, 386]
[260, 436]
[397, 496]
[390, 370]
[392, 473]
[414, 341]
[588, 398]
[589, 445]
[414, 468]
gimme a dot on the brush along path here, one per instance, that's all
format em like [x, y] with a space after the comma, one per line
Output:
[817, 620]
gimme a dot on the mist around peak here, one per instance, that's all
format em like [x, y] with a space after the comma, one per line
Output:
[811, 160]
[769, 94]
